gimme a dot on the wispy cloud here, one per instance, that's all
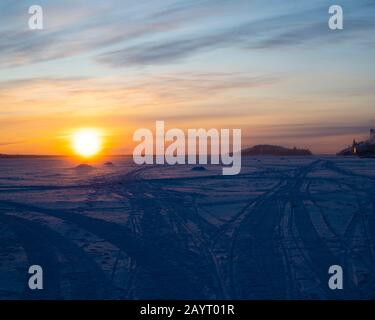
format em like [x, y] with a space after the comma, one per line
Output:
[10, 143]
[79, 95]
[77, 28]
[274, 32]
[302, 131]
[134, 34]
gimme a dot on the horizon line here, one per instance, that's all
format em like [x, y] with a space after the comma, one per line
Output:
[5, 155]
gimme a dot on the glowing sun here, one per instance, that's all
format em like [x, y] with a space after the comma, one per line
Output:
[87, 142]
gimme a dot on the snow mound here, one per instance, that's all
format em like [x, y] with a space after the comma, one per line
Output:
[84, 166]
[199, 168]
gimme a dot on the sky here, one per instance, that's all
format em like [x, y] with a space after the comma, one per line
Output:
[272, 68]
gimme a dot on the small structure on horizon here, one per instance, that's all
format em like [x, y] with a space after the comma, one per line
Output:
[362, 149]
[372, 136]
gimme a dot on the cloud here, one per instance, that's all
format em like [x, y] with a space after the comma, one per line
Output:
[273, 32]
[169, 93]
[12, 143]
[305, 131]
[147, 33]
[75, 28]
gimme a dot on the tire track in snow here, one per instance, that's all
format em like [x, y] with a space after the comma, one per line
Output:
[165, 262]
[258, 261]
[42, 246]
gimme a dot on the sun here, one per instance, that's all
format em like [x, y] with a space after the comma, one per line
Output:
[87, 142]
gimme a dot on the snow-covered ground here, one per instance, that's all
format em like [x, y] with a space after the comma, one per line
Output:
[159, 232]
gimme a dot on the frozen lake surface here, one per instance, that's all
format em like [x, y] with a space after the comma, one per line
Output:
[162, 232]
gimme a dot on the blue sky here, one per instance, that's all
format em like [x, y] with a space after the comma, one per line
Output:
[272, 68]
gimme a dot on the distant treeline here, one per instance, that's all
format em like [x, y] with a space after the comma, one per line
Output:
[270, 150]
